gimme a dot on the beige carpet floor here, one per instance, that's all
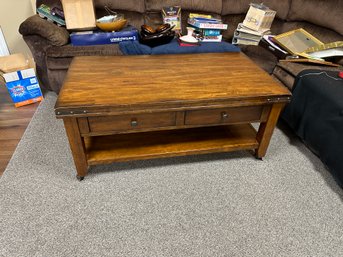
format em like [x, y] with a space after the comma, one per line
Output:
[211, 205]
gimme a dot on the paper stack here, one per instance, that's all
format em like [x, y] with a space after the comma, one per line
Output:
[256, 24]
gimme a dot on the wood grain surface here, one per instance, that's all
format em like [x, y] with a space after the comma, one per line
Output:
[13, 122]
[110, 83]
[148, 145]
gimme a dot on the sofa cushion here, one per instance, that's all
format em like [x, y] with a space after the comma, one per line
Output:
[127, 5]
[326, 13]
[71, 51]
[214, 6]
[242, 6]
[54, 34]
[323, 34]
[232, 20]
[261, 56]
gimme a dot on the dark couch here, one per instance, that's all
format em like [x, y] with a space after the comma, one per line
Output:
[53, 54]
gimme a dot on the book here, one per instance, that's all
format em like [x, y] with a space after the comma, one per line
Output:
[242, 28]
[204, 23]
[172, 15]
[244, 41]
[44, 12]
[197, 15]
[208, 32]
[212, 38]
[245, 35]
[277, 51]
[102, 38]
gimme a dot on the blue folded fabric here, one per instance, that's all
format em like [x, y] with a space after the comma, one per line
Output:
[135, 48]
[205, 47]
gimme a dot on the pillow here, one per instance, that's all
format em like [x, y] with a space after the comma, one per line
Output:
[135, 48]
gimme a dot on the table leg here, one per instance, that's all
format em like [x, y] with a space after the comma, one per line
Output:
[266, 129]
[77, 146]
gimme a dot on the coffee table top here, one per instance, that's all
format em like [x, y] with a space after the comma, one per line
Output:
[97, 84]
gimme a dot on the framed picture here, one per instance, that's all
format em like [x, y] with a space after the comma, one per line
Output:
[297, 41]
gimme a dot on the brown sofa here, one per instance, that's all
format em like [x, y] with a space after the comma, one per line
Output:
[53, 54]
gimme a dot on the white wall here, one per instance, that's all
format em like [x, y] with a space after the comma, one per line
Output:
[12, 13]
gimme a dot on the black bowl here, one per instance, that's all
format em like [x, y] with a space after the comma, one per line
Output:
[156, 39]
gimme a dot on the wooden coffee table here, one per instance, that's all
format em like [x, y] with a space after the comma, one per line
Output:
[122, 108]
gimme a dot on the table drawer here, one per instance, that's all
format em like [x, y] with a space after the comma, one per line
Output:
[224, 115]
[131, 122]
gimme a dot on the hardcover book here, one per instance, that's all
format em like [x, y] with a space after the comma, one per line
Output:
[212, 38]
[268, 43]
[204, 23]
[244, 41]
[44, 11]
[241, 34]
[242, 28]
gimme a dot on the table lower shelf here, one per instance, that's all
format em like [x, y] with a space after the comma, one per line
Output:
[167, 143]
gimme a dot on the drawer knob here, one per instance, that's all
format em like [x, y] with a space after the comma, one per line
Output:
[134, 123]
[225, 115]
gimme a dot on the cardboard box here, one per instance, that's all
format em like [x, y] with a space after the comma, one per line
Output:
[13, 62]
[259, 17]
[79, 14]
[21, 81]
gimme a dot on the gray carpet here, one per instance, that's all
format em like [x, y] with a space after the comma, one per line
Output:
[211, 205]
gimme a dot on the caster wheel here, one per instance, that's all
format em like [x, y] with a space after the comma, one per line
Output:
[79, 178]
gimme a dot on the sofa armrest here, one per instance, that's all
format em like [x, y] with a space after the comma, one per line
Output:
[54, 34]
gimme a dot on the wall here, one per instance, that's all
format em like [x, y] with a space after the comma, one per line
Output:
[12, 13]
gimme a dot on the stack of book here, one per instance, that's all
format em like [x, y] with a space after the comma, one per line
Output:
[256, 24]
[206, 28]
[245, 36]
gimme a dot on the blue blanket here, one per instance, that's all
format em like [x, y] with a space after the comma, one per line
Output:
[136, 48]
